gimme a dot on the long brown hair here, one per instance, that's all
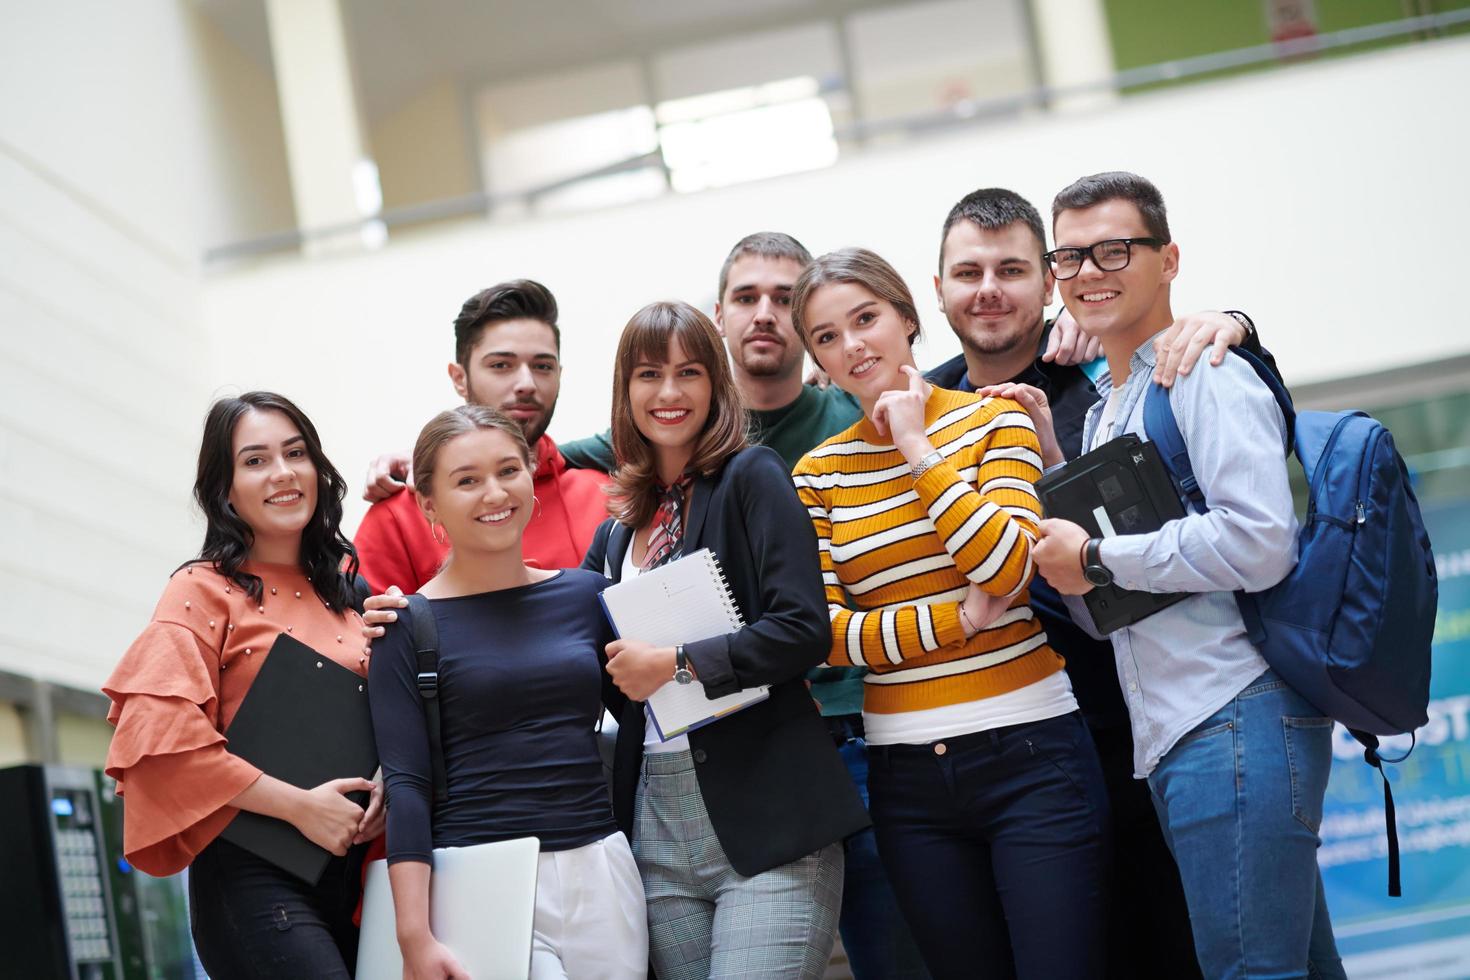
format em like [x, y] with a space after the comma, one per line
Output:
[646, 339]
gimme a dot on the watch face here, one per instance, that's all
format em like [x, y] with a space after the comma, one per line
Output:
[683, 676]
[1097, 575]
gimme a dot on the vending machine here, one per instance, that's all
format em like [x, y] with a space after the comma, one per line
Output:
[70, 905]
[152, 913]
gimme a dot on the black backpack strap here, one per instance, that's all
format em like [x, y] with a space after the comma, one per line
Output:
[426, 663]
[1390, 819]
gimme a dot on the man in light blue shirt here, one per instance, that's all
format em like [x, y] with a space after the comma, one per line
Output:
[1236, 760]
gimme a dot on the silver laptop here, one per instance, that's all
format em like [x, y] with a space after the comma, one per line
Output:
[481, 903]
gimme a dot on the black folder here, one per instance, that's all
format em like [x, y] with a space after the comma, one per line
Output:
[305, 721]
[1121, 487]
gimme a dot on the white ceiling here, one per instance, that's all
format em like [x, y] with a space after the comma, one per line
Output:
[401, 46]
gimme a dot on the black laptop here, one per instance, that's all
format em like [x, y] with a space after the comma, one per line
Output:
[1121, 487]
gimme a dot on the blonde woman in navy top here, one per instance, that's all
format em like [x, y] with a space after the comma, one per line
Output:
[521, 688]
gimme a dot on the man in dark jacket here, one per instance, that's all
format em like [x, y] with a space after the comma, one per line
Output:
[994, 287]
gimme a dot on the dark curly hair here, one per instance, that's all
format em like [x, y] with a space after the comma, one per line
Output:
[327, 557]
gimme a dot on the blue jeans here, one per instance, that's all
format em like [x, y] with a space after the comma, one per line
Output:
[997, 845]
[1240, 801]
[878, 943]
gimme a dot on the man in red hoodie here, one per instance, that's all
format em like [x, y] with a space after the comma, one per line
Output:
[507, 354]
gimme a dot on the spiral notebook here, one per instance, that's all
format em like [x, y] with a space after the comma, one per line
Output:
[681, 602]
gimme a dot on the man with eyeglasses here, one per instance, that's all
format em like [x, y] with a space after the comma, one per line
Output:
[994, 286]
[1237, 762]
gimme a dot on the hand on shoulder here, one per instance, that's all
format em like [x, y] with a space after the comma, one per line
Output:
[387, 475]
[1037, 407]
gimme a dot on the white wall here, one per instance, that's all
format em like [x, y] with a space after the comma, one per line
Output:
[107, 186]
[422, 149]
[918, 57]
[1310, 197]
[245, 167]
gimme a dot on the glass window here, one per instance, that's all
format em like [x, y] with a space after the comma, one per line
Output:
[540, 132]
[727, 137]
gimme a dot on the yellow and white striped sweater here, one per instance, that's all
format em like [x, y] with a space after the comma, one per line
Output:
[904, 551]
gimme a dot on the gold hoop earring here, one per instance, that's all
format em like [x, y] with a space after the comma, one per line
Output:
[535, 503]
[434, 529]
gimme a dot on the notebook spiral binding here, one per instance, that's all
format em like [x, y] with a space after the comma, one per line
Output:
[736, 620]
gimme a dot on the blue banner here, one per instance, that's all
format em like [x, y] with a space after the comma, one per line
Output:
[1426, 933]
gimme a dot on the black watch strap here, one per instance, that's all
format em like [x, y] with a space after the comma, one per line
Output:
[1092, 567]
[682, 673]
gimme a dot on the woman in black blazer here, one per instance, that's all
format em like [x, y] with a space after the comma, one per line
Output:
[737, 825]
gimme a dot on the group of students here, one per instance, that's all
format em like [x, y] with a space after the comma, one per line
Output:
[952, 769]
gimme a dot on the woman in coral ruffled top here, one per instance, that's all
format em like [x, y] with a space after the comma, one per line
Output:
[271, 563]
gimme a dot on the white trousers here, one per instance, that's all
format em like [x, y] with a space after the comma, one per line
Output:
[591, 922]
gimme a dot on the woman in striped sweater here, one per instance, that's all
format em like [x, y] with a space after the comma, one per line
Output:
[985, 789]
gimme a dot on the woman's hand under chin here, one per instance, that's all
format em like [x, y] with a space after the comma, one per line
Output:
[899, 414]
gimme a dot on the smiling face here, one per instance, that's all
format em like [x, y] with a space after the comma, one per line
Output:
[274, 488]
[993, 287]
[481, 491]
[670, 403]
[859, 339]
[515, 367]
[754, 317]
[1126, 307]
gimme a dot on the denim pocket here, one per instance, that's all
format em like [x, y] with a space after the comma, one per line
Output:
[1309, 759]
[1202, 733]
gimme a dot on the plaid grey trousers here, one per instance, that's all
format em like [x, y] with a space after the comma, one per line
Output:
[707, 920]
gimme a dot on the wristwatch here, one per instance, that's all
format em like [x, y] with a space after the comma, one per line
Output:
[926, 464]
[1243, 320]
[1092, 567]
[682, 674]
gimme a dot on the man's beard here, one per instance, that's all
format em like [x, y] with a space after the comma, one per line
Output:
[992, 343]
[768, 365]
[536, 428]
[533, 429]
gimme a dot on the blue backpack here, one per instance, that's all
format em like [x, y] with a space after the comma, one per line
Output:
[1350, 626]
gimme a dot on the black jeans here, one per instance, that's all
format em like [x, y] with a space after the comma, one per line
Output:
[253, 921]
[1148, 920]
[874, 932]
[996, 843]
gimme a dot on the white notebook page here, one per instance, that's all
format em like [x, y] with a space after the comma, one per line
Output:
[683, 601]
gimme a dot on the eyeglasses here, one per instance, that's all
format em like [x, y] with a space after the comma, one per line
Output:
[1108, 256]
